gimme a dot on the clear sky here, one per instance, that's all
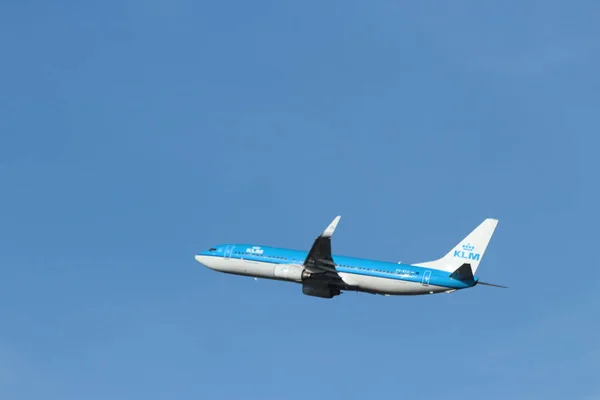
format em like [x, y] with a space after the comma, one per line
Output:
[136, 133]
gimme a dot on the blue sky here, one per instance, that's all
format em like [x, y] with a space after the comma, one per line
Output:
[134, 134]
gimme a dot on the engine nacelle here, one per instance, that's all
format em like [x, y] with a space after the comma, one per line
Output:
[323, 291]
[290, 272]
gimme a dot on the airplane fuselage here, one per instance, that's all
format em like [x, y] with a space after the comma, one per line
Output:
[356, 274]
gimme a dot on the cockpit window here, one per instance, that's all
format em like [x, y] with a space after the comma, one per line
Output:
[212, 249]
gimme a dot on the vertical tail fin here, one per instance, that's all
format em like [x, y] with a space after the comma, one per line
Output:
[469, 250]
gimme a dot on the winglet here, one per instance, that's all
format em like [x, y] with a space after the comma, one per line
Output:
[331, 228]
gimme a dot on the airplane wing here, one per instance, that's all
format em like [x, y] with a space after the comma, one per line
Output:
[319, 258]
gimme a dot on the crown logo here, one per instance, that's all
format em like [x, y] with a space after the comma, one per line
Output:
[468, 247]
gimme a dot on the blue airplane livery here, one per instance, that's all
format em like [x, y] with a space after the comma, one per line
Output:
[323, 274]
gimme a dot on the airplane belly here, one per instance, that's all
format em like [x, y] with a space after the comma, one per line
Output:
[239, 267]
[379, 285]
[265, 270]
[254, 268]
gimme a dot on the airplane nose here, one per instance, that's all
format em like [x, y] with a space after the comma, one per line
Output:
[204, 260]
[200, 259]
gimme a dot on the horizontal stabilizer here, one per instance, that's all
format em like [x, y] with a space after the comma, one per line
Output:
[463, 273]
[491, 284]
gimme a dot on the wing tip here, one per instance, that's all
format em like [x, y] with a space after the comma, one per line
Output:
[328, 232]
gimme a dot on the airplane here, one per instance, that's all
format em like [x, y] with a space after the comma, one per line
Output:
[325, 275]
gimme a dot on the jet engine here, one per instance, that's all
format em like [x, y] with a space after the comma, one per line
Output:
[320, 290]
[290, 272]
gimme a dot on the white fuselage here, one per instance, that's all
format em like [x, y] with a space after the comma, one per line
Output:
[366, 283]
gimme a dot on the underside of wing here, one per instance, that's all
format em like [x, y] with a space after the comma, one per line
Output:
[324, 280]
[319, 258]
